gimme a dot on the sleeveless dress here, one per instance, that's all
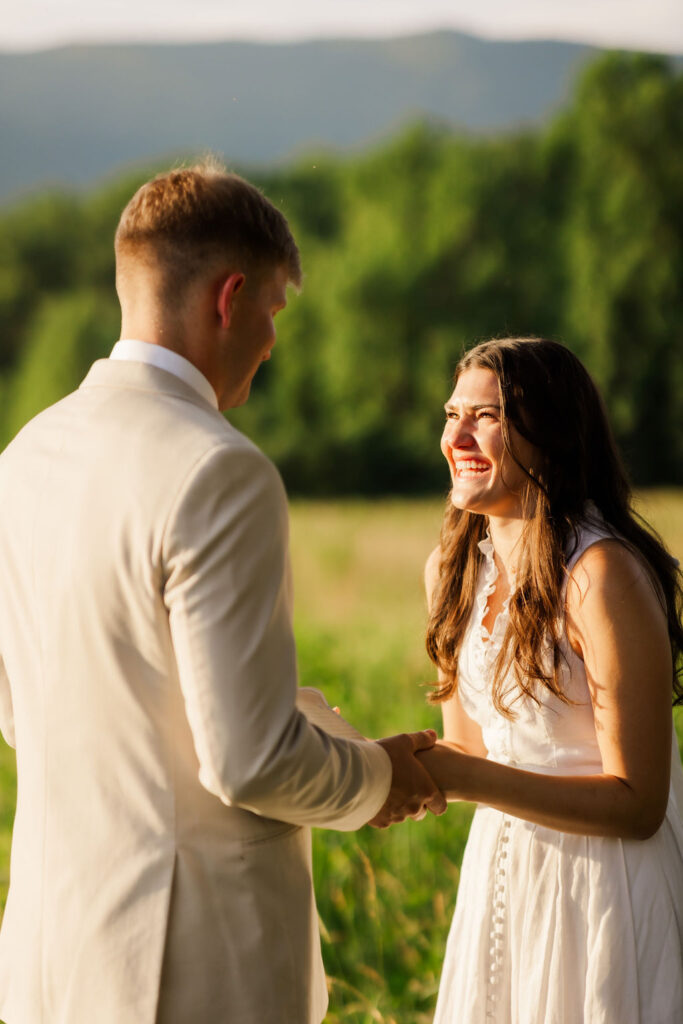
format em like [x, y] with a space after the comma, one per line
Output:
[550, 927]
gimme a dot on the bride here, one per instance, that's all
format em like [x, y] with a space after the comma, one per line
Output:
[555, 626]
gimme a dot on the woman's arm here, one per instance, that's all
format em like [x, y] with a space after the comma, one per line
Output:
[458, 728]
[616, 624]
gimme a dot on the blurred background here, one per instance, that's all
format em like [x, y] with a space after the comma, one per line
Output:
[453, 173]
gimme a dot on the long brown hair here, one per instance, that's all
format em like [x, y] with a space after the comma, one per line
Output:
[549, 397]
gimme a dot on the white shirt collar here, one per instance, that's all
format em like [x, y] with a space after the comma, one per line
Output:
[164, 359]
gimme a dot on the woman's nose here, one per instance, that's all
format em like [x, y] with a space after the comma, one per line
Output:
[457, 434]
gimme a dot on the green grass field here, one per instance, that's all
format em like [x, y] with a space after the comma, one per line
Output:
[385, 898]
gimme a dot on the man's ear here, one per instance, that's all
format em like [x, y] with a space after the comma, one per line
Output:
[227, 290]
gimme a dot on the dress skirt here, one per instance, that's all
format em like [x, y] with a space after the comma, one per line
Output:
[555, 928]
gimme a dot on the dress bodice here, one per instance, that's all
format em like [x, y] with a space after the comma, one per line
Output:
[547, 736]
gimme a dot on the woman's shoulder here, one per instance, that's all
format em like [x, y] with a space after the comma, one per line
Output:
[608, 573]
[612, 609]
[597, 548]
[607, 559]
[590, 530]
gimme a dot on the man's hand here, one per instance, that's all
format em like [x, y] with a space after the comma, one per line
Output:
[412, 792]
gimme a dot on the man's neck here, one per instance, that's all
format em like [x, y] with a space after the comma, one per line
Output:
[139, 351]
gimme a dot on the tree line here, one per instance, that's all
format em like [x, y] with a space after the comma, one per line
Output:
[412, 252]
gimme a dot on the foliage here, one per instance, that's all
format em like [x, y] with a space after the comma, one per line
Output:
[626, 253]
[70, 331]
[412, 252]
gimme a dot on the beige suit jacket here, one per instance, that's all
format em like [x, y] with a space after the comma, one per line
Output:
[160, 868]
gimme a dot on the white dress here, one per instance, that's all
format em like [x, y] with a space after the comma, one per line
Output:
[549, 927]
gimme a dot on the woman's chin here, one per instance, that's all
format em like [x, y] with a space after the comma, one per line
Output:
[466, 502]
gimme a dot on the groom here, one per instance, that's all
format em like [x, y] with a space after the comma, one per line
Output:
[160, 871]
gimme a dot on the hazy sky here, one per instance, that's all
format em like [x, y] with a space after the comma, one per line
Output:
[636, 24]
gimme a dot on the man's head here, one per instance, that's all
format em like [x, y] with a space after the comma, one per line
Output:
[201, 256]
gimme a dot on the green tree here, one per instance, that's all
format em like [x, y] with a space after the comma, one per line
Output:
[625, 237]
[412, 252]
[70, 331]
[40, 247]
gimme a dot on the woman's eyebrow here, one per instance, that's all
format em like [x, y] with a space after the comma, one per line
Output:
[451, 406]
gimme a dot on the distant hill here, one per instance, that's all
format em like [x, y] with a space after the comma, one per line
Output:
[73, 115]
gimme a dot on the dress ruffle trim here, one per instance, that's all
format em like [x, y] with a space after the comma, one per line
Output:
[490, 643]
[485, 647]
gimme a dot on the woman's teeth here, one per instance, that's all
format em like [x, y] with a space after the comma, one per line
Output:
[470, 467]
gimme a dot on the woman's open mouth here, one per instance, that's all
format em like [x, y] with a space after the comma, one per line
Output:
[470, 467]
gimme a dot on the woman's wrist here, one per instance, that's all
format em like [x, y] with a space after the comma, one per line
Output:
[451, 767]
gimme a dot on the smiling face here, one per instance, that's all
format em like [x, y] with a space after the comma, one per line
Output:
[485, 477]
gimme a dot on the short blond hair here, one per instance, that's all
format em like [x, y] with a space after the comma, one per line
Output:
[185, 220]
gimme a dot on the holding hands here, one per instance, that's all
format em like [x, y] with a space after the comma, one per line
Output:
[413, 791]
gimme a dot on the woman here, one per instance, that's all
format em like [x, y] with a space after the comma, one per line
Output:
[555, 626]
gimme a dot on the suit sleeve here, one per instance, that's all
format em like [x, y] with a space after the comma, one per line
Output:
[6, 712]
[228, 597]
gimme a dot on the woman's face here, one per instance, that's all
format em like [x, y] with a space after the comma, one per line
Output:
[485, 478]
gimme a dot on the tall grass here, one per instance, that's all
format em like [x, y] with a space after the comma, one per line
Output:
[385, 898]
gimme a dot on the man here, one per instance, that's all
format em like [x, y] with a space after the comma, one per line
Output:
[160, 871]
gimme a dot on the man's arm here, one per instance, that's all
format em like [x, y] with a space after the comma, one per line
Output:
[406, 797]
[413, 791]
[228, 596]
